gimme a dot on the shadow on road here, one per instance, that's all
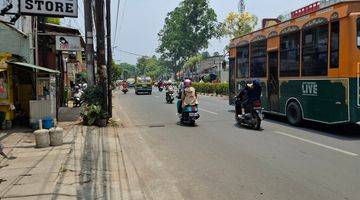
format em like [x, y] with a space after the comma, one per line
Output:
[237, 125]
[342, 132]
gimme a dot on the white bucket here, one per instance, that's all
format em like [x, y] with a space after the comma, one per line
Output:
[42, 138]
[56, 136]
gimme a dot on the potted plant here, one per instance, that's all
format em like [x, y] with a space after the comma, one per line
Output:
[90, 114]
[102, 119]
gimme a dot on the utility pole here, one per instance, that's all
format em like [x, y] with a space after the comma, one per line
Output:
[100, 49]
[89, 40]
[109, 56]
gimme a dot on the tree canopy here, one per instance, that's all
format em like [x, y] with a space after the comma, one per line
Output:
[238, 24]
[152, 67]
[187, 31]
[192, 61]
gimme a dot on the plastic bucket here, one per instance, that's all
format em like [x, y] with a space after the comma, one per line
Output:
[47, 123]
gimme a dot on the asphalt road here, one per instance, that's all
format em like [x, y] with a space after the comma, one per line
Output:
[220, 160]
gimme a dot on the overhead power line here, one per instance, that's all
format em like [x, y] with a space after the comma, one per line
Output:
[131, 53]
[117, 21]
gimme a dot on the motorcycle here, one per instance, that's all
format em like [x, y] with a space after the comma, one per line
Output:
[170, 97]
[161, 88]
[77, 98]
[252, 117]
[189, 115]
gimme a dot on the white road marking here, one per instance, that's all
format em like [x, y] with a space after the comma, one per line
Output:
[318, 144]
[208, 111]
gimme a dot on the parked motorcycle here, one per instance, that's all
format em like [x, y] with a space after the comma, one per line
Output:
[77, 98]
[252, 117]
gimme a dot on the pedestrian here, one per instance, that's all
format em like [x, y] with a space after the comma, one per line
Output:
[2, 152]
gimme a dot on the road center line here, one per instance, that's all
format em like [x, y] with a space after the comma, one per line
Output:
[318, 144]
[208, 111]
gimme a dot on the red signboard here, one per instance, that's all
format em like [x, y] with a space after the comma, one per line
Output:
[305, 10]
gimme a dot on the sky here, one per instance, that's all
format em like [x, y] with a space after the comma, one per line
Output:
[140, 21]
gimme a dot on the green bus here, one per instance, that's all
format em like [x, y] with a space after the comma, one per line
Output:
[309, 66]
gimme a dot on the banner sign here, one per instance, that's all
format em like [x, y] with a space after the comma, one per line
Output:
[59, 8]
[68, 43]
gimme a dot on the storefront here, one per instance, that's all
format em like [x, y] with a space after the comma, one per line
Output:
[27, 92]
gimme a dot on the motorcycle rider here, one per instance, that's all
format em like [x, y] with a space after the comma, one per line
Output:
[248, 95]
[124, 85]
[160, 85]
[188, 96]
[169, 87]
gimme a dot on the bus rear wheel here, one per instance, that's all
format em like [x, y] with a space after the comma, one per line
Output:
[294, 114]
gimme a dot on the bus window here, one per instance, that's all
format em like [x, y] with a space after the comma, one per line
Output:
[243, 62]
[315, 49]
[290, 55]
[335, 35]
[258, 59]
[358, 33]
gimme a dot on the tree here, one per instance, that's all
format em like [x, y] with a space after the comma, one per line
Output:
[152, 67]
[128, 70]
[238, 24]
[205, 54]
[187, 30]
[192, 61]
[116, 72]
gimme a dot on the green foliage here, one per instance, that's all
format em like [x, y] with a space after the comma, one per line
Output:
[152, 67]
[192, 61]
[90, 111]
[238, 24]
[187, 30]
[211, 88]
[116, 72]
[205, 54]
[128, 70]
[93, 96]
[52, 20]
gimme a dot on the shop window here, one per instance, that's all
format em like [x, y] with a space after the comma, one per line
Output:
[334, 46]
[243, 62]
[290, 55]
[258, 59]
[315, 51]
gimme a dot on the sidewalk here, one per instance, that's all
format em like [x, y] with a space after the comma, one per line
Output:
[94, 163]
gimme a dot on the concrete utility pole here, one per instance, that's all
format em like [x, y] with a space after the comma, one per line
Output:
[89, 40]
[109, 56]
[100, 49]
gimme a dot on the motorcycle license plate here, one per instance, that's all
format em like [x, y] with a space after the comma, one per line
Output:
[261, 115]
[193, 114]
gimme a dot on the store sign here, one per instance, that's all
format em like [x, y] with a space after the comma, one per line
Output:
[60, 8]
[68, 43]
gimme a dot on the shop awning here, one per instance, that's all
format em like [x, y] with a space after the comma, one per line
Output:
[34, 67]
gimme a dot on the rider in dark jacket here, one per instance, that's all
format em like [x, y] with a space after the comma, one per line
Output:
[247, 96]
